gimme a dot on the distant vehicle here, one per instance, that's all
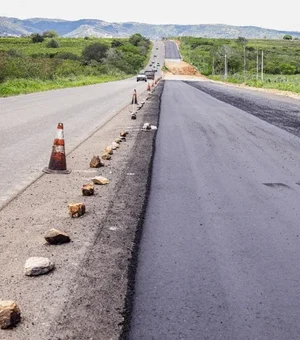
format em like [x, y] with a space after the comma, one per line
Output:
[155, 55]
[150, 74]
[141, 76]
[157, 48]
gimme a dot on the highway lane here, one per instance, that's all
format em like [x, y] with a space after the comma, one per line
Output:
[220, 252]
[171, 50]
[28, 125]
[157, 56]
[281, 111]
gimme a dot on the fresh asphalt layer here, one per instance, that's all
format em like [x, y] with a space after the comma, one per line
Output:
[219, 254]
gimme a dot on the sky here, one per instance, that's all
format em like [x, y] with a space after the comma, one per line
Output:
[262, 13]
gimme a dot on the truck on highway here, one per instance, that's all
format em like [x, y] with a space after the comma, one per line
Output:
[150, 74]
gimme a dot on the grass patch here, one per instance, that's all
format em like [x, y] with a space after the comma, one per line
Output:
[27, 66]
[281, 60]
[24, 86]
[289, 83]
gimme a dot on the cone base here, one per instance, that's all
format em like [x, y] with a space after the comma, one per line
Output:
[50, 171]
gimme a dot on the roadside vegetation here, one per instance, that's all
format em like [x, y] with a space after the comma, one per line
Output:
[258, 63]
[45, 61]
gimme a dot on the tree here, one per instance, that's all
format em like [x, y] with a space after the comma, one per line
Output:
[53, 43]
[241, 40]
[95, 51]
[116, 43]
[135, 39]
[115, 58]
[50, 34]
[287, 37]
[287, 68]
[36, 38]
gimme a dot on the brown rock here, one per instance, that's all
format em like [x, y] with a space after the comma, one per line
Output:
[96, 162]
[109, 150]
[76, 209]
[88, 189]
[124, 133]
[10, 314]
[106, 156]
[54, 236]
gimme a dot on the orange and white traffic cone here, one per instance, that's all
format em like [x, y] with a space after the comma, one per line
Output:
[134, 98]
[148, 87]
[57, 163]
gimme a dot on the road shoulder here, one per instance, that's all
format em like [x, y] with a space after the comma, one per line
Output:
[84, 297]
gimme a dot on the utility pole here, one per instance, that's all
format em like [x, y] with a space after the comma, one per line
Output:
[257, 64]
[262, 65]
[226, 72]
[244, 61]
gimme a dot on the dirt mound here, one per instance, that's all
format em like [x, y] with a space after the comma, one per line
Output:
[181, 68]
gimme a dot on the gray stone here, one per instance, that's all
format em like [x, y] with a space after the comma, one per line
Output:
[146, 127]
[38, 266]
[115, 145]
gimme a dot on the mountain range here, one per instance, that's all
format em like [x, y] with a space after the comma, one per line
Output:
[99, 28]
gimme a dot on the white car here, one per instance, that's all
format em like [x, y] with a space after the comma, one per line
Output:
[141, 76]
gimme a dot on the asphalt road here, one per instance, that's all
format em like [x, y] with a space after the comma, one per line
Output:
[280, 111]
[171, 50]
[29, 122]
[157, 57]
[219, 255]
